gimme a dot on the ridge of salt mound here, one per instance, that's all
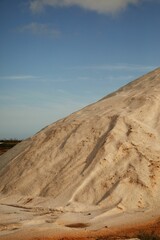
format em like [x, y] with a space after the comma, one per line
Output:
[104, 158]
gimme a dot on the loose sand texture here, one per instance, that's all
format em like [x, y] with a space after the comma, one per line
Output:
[96, 171]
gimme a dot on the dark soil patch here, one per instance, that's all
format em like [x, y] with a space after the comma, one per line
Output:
[77, 225]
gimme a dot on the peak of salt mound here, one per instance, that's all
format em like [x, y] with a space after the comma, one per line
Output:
[104, 156]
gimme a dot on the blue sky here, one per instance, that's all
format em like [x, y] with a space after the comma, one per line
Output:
[57, 56]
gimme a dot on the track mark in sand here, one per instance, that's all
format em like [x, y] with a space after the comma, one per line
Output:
[77, 225]
[108, 193]
[28, 200]
[16, 206]
[9, 226]
[100, 142]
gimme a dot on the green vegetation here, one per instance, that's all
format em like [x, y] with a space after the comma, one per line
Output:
[141, 236]
[9, 143]
[145, 236]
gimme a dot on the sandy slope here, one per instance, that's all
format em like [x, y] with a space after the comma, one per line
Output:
[99, 166]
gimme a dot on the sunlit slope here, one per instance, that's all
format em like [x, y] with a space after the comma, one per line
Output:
[106, 155]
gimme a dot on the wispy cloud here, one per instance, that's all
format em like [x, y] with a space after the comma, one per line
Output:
[125, 67]
[100, 6]
[117, 67]
[19, 77]
[40, 29]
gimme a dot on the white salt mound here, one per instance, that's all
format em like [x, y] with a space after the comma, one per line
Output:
[103, 160]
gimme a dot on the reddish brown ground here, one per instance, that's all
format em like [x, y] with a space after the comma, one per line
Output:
[150, 229]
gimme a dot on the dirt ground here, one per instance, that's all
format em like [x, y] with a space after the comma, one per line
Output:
[148, 231]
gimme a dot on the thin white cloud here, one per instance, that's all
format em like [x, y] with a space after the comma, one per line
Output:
[117, 67]
[125, 67]
[100, 6]
[19, 77]
[121, 78]
[40, 29]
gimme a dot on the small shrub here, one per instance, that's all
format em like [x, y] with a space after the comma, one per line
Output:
[145, 236]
